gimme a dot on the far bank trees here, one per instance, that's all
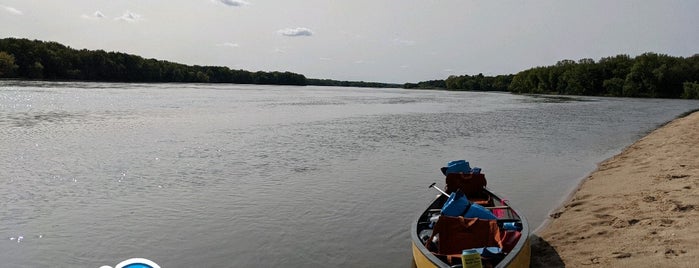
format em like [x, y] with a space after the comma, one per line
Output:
[649, 75]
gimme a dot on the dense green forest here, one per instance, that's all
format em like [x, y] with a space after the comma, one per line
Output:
[431, 84]
[647, 75]
[27, 59]
[34, 59]
[466, 82]
[336, 83]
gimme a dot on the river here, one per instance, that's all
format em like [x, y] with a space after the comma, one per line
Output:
[219, 175]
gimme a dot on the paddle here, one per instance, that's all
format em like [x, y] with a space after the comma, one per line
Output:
[445, 194]
[440, 190]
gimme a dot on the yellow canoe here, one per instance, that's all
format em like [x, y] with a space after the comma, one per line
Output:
[519, 256]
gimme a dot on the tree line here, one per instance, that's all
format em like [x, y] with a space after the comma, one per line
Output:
[35, 59]
[337, 83]
[647, 75]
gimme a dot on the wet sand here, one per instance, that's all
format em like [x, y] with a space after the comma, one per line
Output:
[638, 209]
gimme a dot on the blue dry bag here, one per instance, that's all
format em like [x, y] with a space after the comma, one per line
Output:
[478, 211]
[458, 205]
[457, 166]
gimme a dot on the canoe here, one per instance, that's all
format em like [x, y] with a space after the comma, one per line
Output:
[517, 254]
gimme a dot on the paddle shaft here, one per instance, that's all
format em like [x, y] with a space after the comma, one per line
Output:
[436, 188]
[444, 193]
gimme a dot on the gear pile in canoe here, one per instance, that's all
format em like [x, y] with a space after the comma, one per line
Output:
[468, 219]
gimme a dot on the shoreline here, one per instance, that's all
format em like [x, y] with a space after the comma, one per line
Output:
[637, 208]
[570, 194]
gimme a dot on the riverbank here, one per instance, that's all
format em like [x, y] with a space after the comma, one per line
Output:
[640, 208]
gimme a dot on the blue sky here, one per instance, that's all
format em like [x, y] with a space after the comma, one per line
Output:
[386, 41]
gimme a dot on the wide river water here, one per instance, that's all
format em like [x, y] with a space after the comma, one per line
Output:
[192, 175]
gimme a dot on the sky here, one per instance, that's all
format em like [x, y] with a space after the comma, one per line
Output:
[393, 41]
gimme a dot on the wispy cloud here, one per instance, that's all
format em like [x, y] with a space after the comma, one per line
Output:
[228, 44]
[130, 17]
[232, 3]
[95, 16]
[298, 31]
[12, 10]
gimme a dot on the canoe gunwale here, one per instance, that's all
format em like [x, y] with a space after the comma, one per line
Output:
[509, 259]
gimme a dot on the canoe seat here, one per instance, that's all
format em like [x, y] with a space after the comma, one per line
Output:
[481, 197]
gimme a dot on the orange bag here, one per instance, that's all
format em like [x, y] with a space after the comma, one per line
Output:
[459, 233]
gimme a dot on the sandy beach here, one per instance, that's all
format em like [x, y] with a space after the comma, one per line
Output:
[640, 208]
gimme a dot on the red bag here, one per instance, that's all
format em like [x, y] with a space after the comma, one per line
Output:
[459, 233]
[470, 184]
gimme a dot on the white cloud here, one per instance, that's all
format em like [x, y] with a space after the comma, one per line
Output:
[233, 3]
[130, 17]
[12, 10]
[95, 16]
[298, 31]
[228, 44]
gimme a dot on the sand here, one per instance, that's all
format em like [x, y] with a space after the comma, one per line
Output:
[638, 209]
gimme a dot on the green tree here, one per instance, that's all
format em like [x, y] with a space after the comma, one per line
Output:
[613, 86]
[7, 64]
[36, 70]
[642, 80]
[691, 90]
[518, 84]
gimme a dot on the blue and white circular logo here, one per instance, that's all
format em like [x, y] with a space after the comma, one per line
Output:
[135, 263]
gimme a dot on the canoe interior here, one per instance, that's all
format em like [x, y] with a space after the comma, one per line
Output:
[518, 257]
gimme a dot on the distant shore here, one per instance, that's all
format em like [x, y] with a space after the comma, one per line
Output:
[640, 208]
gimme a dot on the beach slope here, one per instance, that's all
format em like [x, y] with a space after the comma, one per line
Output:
[638, 209]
